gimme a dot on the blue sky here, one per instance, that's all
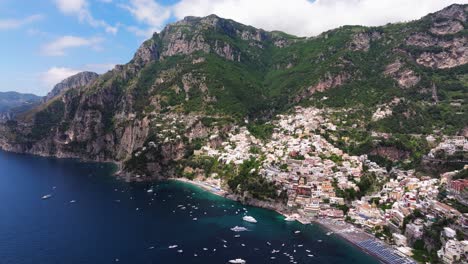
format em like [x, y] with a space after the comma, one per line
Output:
[45, 41]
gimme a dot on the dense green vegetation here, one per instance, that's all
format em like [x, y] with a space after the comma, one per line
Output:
[47, 119]
[232, 72]
[367, 184]
[249, 180]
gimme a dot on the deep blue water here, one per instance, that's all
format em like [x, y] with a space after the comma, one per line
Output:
[105, 226]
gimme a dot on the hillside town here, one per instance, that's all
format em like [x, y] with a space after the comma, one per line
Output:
[398, 206]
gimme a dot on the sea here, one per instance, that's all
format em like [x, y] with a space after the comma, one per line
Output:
[92, 216]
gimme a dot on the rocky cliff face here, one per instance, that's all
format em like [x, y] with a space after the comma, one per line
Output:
[75, 81]
[200, 75]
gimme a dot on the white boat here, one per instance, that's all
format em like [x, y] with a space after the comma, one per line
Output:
[238, 229]
[329, 233]
[290, 219]
[73, 201]
[173, 246]
[249, 219]
[47, 196]
[237, 261]
[149, 191]
[297, 232]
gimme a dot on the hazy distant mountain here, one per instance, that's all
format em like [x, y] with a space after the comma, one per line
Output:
[13, 103]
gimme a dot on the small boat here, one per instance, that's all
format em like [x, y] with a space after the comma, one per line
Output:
[320, 241]
[47, 196]
[173, 246]
[297, 232]
[329, 233]
[73, 201]
[249, 219]
[237, 261]
[150, 191]
[239, 229]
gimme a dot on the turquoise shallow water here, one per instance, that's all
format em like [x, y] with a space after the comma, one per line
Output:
[117, 222]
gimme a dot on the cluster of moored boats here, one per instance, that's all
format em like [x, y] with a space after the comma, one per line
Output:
[194, 213]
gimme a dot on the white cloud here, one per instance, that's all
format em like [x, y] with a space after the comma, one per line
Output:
[80, 9]
[16, 23]
[150, 13]
[307, 18]
[55, 75]
[59, 46]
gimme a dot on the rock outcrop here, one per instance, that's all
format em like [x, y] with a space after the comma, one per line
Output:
[328, 82]
[362, 41]
[443, 52]
[405, 78]
[78, 80]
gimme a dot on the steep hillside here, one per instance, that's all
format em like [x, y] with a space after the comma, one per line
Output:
[202, 76]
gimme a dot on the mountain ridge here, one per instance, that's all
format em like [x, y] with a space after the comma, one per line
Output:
[400, 78]
[14, 103]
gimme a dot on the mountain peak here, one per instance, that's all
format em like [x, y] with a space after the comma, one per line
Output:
[74, 81]
[455, 11]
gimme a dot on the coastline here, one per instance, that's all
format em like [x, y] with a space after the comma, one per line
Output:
[354, 237]
[342, 229]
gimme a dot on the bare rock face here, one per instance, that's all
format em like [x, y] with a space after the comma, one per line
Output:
[147, 52]
[226, 51]
[447, 27]
[444, 52]
[421, 40]
[391, 153]
[78, 80]
[405, 77]
[452, 12]
[179, 43]
[329, 82]
[361, 41]
[455, 54]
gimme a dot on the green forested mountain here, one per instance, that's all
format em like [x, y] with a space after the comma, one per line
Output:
[406, 78]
